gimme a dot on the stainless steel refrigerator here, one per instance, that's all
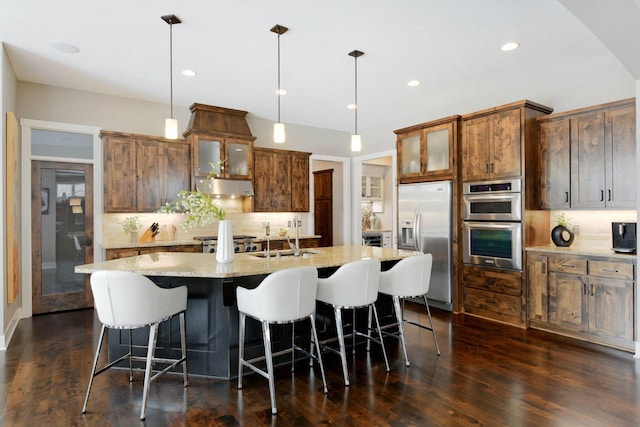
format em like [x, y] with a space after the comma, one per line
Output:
[424, 216]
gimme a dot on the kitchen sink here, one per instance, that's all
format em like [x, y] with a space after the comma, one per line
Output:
[283, 253]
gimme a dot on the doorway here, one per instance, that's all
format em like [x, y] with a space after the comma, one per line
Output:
[323, 206]
[62, 235]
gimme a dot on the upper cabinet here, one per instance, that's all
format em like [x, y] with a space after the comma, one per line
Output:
[281, 181]
[372, 187]
[221, 142]
[142, 173]
[427, 151]
[587, 157]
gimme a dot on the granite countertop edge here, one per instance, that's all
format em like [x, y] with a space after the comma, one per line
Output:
[601, 250]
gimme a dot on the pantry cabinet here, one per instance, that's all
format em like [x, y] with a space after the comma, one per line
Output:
[141, 172]
[587, 157]
[585, 297]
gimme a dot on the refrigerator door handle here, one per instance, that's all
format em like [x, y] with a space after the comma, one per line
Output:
[416, 230]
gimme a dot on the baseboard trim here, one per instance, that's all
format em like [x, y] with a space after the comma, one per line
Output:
[5, 338]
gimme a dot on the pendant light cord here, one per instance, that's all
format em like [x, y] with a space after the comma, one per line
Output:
[279, 94]
[171, 65]
[356, 90]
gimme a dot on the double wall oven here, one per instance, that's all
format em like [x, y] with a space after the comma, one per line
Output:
[492, 224]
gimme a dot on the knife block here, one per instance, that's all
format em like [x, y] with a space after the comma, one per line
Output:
[147, 237]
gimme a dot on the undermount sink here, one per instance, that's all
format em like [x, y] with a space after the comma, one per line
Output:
[282, 253]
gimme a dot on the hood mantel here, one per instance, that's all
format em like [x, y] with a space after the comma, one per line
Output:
[219, 120]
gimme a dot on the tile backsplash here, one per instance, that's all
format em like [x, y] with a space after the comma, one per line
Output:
[594, 225]
[242, 223]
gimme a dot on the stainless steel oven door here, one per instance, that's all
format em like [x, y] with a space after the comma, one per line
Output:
[492, 244]
[492, 207]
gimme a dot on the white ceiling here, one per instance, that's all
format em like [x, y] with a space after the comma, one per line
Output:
[451, 46]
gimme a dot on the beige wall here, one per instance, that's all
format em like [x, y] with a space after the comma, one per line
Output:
[7, 104]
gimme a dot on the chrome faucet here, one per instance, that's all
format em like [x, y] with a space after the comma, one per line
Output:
[295, 248]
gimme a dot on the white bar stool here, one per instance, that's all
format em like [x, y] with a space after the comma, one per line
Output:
[409, 278]
[285, 296]
[353, 285]
[126, 300]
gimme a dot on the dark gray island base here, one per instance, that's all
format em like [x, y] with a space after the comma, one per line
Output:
[212, 315]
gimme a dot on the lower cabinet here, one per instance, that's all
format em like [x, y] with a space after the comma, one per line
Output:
[493, 294]
[585, 297]
[127, 252]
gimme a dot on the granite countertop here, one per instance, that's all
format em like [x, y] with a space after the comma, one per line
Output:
[180, 264]
[586, 248]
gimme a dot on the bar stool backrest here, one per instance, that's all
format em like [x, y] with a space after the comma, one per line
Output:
[128, 300]
[409, 277]
[353, 285]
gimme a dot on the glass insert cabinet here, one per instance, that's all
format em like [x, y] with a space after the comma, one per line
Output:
[225, 157]
[425, 151]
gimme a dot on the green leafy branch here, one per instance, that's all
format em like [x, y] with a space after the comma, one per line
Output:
[198, 206]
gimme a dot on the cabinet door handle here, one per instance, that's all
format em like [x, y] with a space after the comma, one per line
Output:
[544, 268]
[602, 195]
[491, 168]
[566, 197]
[568, 266]
[486, 167]
[584, 289]
[608, 195]
[593, 290]
[607, 270]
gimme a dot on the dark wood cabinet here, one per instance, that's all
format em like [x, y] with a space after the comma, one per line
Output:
[281, 181]
[587, 157]
[141, 172]
[116, 253]
[586, 297]
[427, 152]
[491, 146]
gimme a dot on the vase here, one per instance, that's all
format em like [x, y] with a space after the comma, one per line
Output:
[562, 236]
[224, 246]
[134, 237]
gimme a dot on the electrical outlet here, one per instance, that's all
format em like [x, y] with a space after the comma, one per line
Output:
[289, 224]
[576, 229]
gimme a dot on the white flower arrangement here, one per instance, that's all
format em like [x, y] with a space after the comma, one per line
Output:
[198, 206]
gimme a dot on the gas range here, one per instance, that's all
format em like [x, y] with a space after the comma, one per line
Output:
[241, 243]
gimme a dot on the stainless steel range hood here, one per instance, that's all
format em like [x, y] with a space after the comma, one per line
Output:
[224, 187]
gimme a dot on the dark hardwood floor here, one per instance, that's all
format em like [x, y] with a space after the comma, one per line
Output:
[488, 374]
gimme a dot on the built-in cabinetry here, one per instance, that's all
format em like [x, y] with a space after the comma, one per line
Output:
[282, 244]
[586, 297]
[587, 157]
[141, 172]
[427, 152]
[115, 253]
[372, 187]
[281, 180]
[221, 142]
[499, 143]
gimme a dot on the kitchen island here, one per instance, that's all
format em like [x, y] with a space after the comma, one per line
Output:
[212, 314]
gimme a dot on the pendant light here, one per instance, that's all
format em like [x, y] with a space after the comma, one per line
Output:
[278, 128]
[356, 141]
[171, 124]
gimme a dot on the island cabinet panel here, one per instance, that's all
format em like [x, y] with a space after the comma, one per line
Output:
[141, 173]
[587, 157]
[281, 181]
[116, 253]
[586, 297]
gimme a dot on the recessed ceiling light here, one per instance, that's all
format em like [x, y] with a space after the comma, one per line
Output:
[281, 92]
[189, 73]
[413, 83]
[63, 47]
[509, 46]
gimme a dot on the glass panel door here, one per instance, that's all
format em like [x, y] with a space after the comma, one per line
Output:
[62, 214]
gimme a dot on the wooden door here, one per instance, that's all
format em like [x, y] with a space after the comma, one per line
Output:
[323, 206]
[475, 148]
[555, 164]
[611, 308]
[568, 302]
[263, 164]
[300, 182]
[504, 160]
[62, 235]
[620, 158]
[587, 161]
[149, 176]
[175, 170]
[119, 174]
[537, 299]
